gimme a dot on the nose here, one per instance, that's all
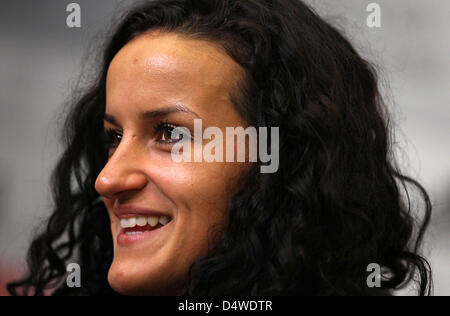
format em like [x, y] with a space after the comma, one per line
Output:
[120, 176]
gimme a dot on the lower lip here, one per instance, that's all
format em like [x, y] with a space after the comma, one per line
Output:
[124, 239]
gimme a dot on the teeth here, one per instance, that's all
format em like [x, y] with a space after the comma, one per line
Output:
[163, 220]
[153, 221]
[128, 222]
[133, 233]
[132, 222]
[143, 221]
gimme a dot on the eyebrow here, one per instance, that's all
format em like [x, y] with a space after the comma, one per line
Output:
[146, 115]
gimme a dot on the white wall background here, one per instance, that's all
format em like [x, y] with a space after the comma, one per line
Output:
[40, 59]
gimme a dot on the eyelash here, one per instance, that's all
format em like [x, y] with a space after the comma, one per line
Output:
[109, 139]
[110, 136]
[165, 125]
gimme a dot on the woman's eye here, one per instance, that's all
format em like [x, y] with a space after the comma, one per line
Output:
[168, 133]
[112, 139]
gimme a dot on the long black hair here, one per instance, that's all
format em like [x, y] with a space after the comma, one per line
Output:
[338, 202]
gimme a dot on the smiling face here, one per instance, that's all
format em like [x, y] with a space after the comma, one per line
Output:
[164, 215]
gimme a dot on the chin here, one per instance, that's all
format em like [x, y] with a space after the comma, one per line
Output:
[130, 282]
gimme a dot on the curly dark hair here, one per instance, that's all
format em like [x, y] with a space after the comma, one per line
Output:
[337, 203]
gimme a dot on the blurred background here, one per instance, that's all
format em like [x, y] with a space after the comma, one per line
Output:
[41, 60]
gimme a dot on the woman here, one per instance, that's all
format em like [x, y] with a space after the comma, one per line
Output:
[139, 223]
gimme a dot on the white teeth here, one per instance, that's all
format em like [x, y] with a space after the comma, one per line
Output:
[133, 233]
[132, 222]
[153, 221]
[128, 222]
[163, 220]
[143, 221]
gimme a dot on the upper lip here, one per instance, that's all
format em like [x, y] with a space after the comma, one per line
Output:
[125, 211]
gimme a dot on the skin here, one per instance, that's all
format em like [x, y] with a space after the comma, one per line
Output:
[160, 71]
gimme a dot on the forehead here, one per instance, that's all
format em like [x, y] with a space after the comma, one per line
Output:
[173, 66]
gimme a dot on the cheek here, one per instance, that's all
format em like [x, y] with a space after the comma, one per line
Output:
[200, 183]
[201, 192]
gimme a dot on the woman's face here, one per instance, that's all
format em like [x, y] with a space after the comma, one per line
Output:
[164, 213]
